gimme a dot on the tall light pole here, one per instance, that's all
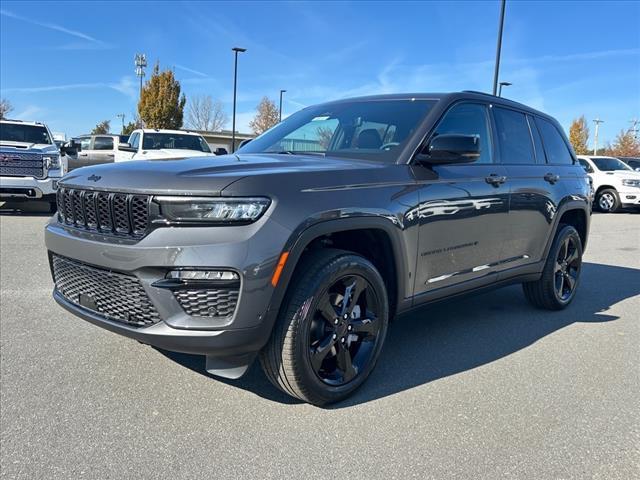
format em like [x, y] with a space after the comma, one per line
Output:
[597, 121]
[503, 84]
[499, 47]
[141, 64]
[121, 117]
[236, 50]
[280, 114]
[634, 126]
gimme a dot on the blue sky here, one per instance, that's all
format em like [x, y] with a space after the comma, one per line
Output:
[71, 64]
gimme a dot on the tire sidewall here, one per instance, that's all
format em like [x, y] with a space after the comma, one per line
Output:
[616, 200]
[566, 232]
[350, 265]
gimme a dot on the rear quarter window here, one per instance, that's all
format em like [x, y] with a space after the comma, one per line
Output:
[554, 145]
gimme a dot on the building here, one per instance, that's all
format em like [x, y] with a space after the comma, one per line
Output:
[222, 139]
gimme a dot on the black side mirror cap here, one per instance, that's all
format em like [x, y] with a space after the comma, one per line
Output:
[220, 151]
[449, 149]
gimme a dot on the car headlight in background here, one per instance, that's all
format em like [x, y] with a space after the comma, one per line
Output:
[211, 209]
[631, 183]
[52, 161]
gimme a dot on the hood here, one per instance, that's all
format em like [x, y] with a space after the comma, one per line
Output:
[176, 153]
[26, 147]
[200, 176]
[630, 174]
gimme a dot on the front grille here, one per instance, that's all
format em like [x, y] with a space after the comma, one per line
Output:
[112, 213]
[116, 296]
[22, 164]
[208, 303]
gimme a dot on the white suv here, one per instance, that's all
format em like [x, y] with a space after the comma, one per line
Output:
[30, 165]
[616, 185]
[152, 144]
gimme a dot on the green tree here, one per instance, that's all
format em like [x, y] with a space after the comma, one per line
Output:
[129, 127]
[579, 135]
[266, 117]
[101, 127]
[626, 145]
[161, 104]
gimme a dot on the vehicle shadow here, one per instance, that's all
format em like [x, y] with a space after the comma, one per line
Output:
[32, 208]
[452, 337]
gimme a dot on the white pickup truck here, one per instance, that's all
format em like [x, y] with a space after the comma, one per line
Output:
[616, 184]
[152, 144]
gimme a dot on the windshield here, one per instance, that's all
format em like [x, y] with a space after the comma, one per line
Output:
[12, 132]
[156, 141]
[610, 164]
[373, 130]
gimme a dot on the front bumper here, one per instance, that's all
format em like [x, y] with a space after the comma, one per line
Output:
[29, 187]
[630, 198]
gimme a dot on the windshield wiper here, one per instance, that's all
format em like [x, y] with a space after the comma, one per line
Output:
[298, 152]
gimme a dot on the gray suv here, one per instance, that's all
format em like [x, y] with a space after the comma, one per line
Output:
[300, 248]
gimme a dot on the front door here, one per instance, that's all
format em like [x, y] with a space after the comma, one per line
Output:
[103, 150]
[463, 212]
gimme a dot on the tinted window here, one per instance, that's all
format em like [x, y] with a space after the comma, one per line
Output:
[12, 132]
[584, 164]
[469, 119]
[608, 164]
[123, 138]
[554, 145]
[134, 140]
[514, 136]
[156, 141]
[85, 143]
[103, 143]
[537, 140]
[373, 129]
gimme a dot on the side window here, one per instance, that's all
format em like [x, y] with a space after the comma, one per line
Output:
[134, 140]
[103, 143]
[584, 164]
[557, 150]
[537, 140]
[469, 119]
[514, 136]
[85, 143]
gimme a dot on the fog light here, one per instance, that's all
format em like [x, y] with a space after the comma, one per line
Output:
[203, 275]
[631, 197]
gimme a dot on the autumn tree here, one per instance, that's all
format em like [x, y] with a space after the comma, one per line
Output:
[101, 128]
[5, 108]
[204, 113]
[579, 135]
[626, 144]
[266, 117]
[161, 105]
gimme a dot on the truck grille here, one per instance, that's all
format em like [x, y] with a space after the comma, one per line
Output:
[208, 303]
[112, 213]
[116, 296]
[22, 164]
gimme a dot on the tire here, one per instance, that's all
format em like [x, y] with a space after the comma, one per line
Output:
[306, 352]
[53, 207]
[558, 284]
[608, 200]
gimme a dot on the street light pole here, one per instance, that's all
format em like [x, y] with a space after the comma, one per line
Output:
[236, 50]
[597, 121]
[280, 114]
[121, 116]
[503, 84]
[499, 47]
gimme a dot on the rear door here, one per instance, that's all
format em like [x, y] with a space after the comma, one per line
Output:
[103, 150]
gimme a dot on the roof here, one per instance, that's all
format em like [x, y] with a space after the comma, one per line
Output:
[21, 122]
[166, 130]
[596, 156]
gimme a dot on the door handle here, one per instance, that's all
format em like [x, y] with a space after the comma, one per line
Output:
[83, 154]
[496, 180]
[551, 178]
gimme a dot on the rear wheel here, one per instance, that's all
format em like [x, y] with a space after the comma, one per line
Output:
[557, 286]
[331, 328]
[608, 201]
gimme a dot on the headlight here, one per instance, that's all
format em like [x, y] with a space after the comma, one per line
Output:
[212, 210]
[52, 161]
[631, 183]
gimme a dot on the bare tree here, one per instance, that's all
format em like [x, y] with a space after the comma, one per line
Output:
[204, 113]
[267, 116]
[5, 108]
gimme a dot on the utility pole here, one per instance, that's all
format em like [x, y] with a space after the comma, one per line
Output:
[236, 50]
[280, 114]
[634, 126]
[140, 63]
[597, 121]
[121, 117]
[499, 47]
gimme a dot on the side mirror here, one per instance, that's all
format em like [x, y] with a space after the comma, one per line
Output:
[220, 151]
[70, 148]
[449, 149]
[126, 147]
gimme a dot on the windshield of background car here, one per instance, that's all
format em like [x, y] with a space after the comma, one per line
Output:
[12, 132]
[157, 141]
[610, 164]
[368, 129]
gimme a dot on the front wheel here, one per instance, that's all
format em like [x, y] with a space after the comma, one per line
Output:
[331, 328]
[608, 201]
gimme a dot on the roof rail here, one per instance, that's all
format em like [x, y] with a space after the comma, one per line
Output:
[480, 93]
[12, 120]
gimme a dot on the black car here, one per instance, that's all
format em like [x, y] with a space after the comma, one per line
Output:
[633, 162]
[302, 246]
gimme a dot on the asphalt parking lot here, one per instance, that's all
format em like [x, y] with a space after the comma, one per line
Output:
[486, 387]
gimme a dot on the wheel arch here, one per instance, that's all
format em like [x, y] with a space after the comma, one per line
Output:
[576, 214]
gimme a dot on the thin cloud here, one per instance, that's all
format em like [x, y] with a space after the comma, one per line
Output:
[126, 86]
[52, 26]
[30, 112]
[190, 70]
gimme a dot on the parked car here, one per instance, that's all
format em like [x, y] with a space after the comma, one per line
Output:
[633, 162]
[95, 149]
[616, 184]
[30, 165]
[148, 144]
[301, 247]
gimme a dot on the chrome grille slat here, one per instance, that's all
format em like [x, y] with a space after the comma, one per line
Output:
[22, 164]
[118, 214]
[116, 296]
